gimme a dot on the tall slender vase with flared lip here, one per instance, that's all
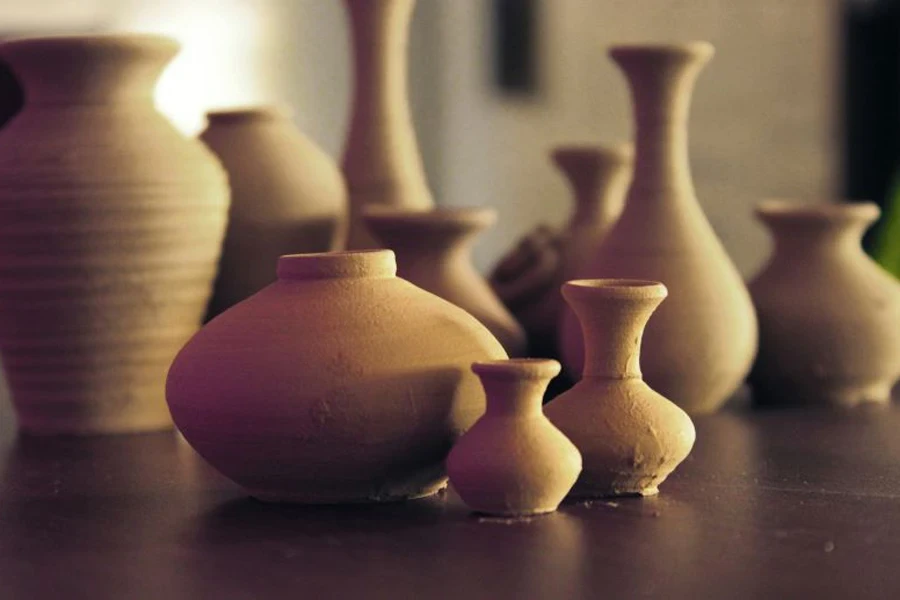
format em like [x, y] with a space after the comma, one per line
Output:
[630, 437]
[828, 314]
[382, 162]
[513, 461]
[700, 345]
[111, 228]
[434, 251]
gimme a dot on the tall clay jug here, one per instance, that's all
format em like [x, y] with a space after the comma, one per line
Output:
[381, 162]
[528, 279]
[700, 345]
[829, 316]
[434, 251]
[110, 235]
[287, 197]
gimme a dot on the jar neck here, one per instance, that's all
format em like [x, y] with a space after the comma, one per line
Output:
[515, 387]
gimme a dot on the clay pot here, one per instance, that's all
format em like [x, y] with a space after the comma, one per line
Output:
[828, 314]
[528, 279]
[701, 344]
[434, 251]
[340, 382]
[381, 162]
[513, 461]
[110, 234]
[288, 197]
[630, 437]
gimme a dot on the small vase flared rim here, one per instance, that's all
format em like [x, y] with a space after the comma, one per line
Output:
[694, 49]
[596, 153]
[242, 114]
[619, 288]
[345, 264]
[519, 368]
[145, 42]
[455, 217]
[783, 209]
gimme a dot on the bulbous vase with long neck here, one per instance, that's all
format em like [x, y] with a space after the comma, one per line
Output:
[630, 437]
[513, 461]
[828, 314]
[381, 163]
[701, 344]
[434, 252]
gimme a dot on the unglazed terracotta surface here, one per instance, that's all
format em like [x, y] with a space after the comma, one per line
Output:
[513, 461]
[287, 197]
[701, 344]
[630, 437]
[828, 314]
[338, 383]
[111, 224]
[528, 279]
[381, 162]
[434, 252]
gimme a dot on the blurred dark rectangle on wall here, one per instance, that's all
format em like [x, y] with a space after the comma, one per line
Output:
[515, 45]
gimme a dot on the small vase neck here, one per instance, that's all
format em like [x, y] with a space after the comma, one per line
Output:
[661, 79]
[613, 314]
[811, 229]
[89, 70]
[597, 177]
[515, 387]
[362, 264]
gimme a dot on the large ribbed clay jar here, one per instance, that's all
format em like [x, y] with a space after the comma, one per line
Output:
[381, 161]
[828, 314]
[434, 251]
[700, 345]
[287, 197]
[528, 278]
[111, 224]
[340, 382]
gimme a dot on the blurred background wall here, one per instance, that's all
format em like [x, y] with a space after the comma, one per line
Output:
[764, 120]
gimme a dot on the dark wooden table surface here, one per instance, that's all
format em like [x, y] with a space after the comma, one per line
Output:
[769, 505]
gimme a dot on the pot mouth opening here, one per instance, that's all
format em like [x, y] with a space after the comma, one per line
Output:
[438, 218]
[144, 43]
[348, 264]
[622, 288]
[241, 114]
[784, 210]
[519, 368]
[690, 50]
[592, 153]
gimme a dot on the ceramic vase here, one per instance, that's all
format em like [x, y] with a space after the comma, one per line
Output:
[828, 314]
[528, 279]
[630, 437]
[701, 344]
[287, 197]
[434, 252]
[513, 461]
[381, 161]
[340, 382]
[111, 228]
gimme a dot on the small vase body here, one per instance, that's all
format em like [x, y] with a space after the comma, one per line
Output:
[434, 252]
[630, 437]
[828, 314]
[381, 162]
[287, 197]
[528, 279]
[338, 383]
[111, 232]
[701, 344]
[513, 461]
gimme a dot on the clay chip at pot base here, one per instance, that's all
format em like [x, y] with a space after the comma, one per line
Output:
[340, 382]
